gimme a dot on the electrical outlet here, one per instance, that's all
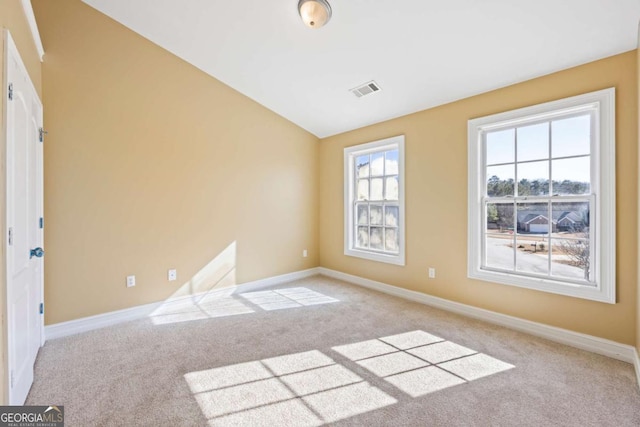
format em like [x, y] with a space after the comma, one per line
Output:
[432, 273]
[172, 275]
[131, 281]
[304, 253]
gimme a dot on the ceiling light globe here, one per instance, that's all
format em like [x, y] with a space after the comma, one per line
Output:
[314, 13]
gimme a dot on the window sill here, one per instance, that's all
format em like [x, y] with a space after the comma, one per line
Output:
[371, 256]
[594, 293]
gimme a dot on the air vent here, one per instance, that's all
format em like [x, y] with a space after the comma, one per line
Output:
[366, 89]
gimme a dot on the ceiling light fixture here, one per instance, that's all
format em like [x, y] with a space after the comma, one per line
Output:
[314, 13]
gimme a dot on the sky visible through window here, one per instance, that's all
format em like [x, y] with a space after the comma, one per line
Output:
[570, 150]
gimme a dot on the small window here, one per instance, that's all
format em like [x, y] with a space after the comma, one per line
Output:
[374, 200]
[542, 197]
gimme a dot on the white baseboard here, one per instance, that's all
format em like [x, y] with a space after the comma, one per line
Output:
[636, 363]
[90, 323]
[612, 349]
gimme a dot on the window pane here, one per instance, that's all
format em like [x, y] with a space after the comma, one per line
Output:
[391, 163]
[363, 189]
[500, 180]
[571, 137]
[363, 215]
[571, 219]
[376, 215]
[533, 218]
[375, 238]
[532, 254]
[532, 246]
[391, 216]
[363, 237]
[571, 176]
[499, 251]
[391, 240]
[391, 192]
[362, 166]
[533, 178]
[376, 188]
[500, 218]
[501, 146]
[533, 142]
[377, 164]
[570, 258]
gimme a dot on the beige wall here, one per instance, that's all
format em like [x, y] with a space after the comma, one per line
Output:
[12, 18]
[151, 164]
[436, 202]
[638, 260]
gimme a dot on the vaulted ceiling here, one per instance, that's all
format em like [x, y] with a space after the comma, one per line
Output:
[422, 53]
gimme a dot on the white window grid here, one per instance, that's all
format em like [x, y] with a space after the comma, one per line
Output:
[549, 199]
[383, 204]
[351, 201]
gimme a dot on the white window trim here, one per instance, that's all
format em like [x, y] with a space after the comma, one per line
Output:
[603, 182]
[349, 154]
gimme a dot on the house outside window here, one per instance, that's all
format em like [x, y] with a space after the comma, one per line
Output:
[374, 200]
[542, 197]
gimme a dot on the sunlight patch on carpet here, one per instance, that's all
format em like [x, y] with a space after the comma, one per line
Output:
[302, 389]
[244, 396]
[423, 381]
[411, 339]
[441, 352]
[212, 305]
[310, 388]
[419, 363]
[288, 413]
[364, 349]
[217, 378]
[345, 402]
[298, 362]
[185, 311]
[476, 366]
[393, 363]
[286, 298]
[321, 379]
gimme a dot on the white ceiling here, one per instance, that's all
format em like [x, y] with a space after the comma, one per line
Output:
[422, 53]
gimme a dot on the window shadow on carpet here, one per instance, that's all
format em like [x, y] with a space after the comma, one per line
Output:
[216, 305]
[311, 388]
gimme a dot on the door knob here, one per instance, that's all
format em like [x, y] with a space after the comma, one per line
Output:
[37, 252]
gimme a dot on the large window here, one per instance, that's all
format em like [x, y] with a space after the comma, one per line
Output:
[542, 197]
[374, 200]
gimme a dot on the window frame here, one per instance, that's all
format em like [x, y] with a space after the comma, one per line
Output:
[350, 202]
[603, 209]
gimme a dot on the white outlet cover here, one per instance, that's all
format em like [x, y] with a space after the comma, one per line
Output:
[172, 275]
[131, 281]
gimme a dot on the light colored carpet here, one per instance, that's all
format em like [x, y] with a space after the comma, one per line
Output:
[320, 351]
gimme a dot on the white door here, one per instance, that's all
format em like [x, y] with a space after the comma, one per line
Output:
[23, 118]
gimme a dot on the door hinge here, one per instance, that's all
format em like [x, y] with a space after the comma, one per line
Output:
[42, 134]
[10, 91]
[41, 308]
[12, 378]
[41, 222]
[10, 236]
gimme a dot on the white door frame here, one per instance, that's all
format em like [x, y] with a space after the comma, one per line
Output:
[11, 51]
